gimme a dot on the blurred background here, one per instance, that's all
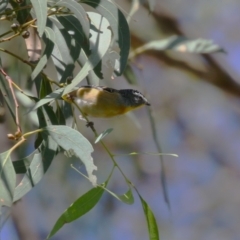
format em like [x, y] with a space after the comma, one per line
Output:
[195, 101]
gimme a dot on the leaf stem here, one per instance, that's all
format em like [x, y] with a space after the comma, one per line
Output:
[32, 132]
[111, 155]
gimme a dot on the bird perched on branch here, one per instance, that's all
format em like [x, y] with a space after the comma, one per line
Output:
[105, 102]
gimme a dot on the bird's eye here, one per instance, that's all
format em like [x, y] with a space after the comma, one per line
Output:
[137, 99]
[111, 90]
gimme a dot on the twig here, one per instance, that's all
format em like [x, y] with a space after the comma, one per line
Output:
[10, 37]
[16, 56]
[29, 64]
[21, 29]
[91, 125]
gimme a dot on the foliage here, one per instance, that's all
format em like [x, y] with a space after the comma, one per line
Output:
[72, 38]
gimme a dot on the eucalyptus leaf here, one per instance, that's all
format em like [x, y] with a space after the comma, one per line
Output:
[103, 134]
[52, 96]
[69, 44]
[126, 197]
[100, 42]
[3, 5]
[24, 13]
[7, 96]
[151, 221]
[45, 88]
[60, 116]
[79, 13]
[61, 54]
[37, 168]
[119, 28]
[181, 44]
[21, 166]
[36, 164]
[130, 75]
[70, 139]
[49, 41]
[40, 8]
[7, 180]
[31, 178]
[77, 209]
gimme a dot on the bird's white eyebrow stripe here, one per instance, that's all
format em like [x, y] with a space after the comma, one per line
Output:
[139, 94]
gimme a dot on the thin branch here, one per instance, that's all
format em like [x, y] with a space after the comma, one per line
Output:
[16, 56]
[11, 37]
[111, 155]
[29, 64]
[6, 33]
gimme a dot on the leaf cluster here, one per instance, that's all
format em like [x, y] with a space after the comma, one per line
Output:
[77, 37]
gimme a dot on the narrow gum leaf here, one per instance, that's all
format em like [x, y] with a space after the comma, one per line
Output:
[72, 140]
[77, 209]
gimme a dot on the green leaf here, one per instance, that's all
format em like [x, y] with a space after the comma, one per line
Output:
[38, 141]
[89, 65]
[100, 37]
[148, 153]
[46, 117]
[50, 116]
[61, 54]
[31, 178]
[7, 180]
[38, 167]
[80, 207]
[48, 151]
[72, 140]
[130, 75]
[151, 221]
[103, 135]
[92, 78]
[126, 197]
[60, 115]
[34, 167]
[36, 164]
[70, 43]
[49, 40]
[21, 166]
[71, 29]
[100, 41]
[40, 8]
[119, 28]
[52, 96]
[3, 5]
[181, 44]
[79, 13]
[45, 88]
[7, 96]
[24, 13]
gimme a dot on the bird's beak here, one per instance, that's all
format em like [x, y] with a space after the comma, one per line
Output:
[147, 103]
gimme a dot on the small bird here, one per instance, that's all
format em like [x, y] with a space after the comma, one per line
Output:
[105, 102]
